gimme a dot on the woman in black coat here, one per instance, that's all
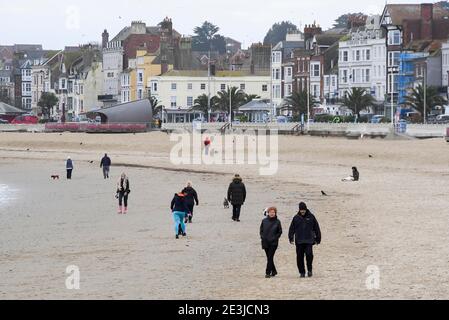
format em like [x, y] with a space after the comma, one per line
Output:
[270, 232]
[237, 196]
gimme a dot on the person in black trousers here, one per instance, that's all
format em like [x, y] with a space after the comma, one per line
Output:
[191, 199]
[305, 233]
[237, 196]
[123, 192]
[106, 165]
[69, 168]
[270, 232]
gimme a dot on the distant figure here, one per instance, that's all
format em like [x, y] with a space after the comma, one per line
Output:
[123, 192]
[191, 199]
[305, 233]
[270, 232]
[179, 209]
[237, 196]
[69, 168]
[355, 175]
[106, 165]
[207, 144]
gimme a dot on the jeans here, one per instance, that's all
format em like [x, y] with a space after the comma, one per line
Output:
[236, 212]
[69, 174]
[307, 250]
[106, 172]
[123, 198]
[178, 217]
[271, 251]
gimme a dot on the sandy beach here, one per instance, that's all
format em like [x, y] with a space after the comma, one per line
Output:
[395, 218]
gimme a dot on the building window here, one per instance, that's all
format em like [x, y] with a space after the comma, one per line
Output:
[189, 86]
[154, 87]
[264, 88]
[139, 94]
[276, 74]
[394, 37]
[345, 56]
[173, 102]
[140, 77]
[367, 75]
[393, 58]
[223, 87]
[242, 86]
[288, 90]
[333, 81]
[316, 70]
[344, 76]
[368, 55]
[110, 74]
[357, 55]
[203, 86]
[173, 86]
[190, 102]
[289, 72]
[276, 92]
[277, 57]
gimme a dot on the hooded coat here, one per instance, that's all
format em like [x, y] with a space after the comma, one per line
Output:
[305, 229]
[270, 232]
[237, 192]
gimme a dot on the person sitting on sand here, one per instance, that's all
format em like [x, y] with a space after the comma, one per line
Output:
[270, 232]
[123, 192]
[179, 209]
[355, 175]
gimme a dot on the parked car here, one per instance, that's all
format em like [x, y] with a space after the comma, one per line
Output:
[377, 118]
[444, 118]
[26, 119]
[447, 135]
[3, 121]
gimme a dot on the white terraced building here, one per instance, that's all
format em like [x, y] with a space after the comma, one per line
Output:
[178, 89]
[362, 60]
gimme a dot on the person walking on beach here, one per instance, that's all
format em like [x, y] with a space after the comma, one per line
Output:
[123, 192]
[305, 233]
[179, 209]
[270, 232]
[106, 165]
[237, 196]
[191, 199]
[69, 168]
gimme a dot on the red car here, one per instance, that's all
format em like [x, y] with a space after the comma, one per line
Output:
[25, 120]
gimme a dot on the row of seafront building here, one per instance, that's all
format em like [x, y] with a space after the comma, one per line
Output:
[143, 61]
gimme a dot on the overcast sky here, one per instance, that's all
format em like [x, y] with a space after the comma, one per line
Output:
[57, 23]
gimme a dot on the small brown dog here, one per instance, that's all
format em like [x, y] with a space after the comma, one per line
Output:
[55, 177]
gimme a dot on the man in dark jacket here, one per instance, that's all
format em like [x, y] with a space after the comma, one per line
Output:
[305, 233]
[236, 196]
[106, 165]
[191, 199]
[270, 232]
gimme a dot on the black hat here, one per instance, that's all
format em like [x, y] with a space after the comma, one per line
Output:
[302, 206]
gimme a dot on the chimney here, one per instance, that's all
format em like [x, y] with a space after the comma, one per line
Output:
[426, 21]
[105, 38]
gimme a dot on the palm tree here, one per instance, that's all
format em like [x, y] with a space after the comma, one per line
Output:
[416, 99]
[155, 106]
[237, 99]
[201, 104]
[297, 103]
[357, 100]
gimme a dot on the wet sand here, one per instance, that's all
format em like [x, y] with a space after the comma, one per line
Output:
[396, 218]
